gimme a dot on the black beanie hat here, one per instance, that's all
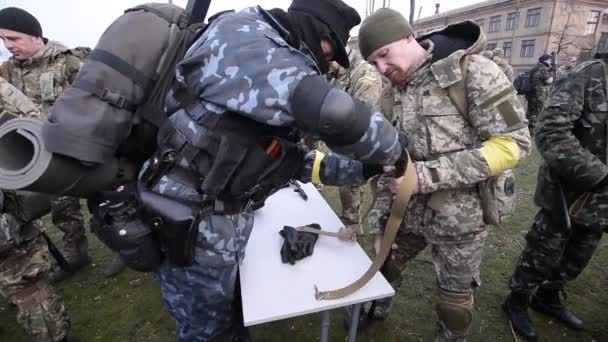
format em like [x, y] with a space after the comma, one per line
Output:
[337, 16]
[16, 19]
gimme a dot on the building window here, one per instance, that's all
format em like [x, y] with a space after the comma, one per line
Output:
[602, 45]
[533, 17]
[527, 48]
[506, 46]
[592, 20]
[480, 22]
[494, 24]
[490, 46]
[511, 21]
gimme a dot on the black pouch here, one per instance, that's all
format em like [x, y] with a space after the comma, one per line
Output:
[118, 226]
[175, 223]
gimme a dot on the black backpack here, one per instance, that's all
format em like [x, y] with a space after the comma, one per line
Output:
[523, 82]
[117, 98]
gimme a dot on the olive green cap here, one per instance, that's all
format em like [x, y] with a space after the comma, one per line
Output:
[381, 28]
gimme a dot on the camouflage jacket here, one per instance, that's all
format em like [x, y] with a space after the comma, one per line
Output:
[542, 79]
[45, 75]
[242, 64]
[12, 100]
[572, 134]
[13, 231]
[445, 144]
[563, 71]
[505, 67]
[360, 80]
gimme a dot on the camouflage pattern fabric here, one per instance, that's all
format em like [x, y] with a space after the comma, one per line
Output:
[43, 78]
[541, 81]
[499, 58]
[13, 101]
[572, 138]
[201, 297]
[66, 214]
[240, 64]
[446, 213]
[45, 75]
[362, 81]
[24, 260]
[553, 255]
[23, 281]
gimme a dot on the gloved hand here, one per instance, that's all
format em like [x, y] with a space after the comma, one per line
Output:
[297, 245]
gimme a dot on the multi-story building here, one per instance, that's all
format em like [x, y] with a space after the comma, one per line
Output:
[526, 29]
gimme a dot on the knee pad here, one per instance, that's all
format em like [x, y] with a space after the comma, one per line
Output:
[455, 311]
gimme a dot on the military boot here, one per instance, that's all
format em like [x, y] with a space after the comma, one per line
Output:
[76, 254]
[546, 301]
[380, 309]
[516, 309]
[115, 266]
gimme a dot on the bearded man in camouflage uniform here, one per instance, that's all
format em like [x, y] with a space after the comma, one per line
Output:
[541, 80]
[361, 81]
[24, 255]
[572, 193]
[42, 69]
[452, 151]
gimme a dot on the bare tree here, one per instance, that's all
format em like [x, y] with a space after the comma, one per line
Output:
[562, 38]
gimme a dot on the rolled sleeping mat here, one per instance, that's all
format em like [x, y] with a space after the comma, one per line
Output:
[26, 164]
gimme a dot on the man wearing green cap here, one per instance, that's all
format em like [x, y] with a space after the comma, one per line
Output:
[466, 129]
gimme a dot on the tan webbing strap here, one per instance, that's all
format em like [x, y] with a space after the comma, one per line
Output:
[402, 198]
[346, 234]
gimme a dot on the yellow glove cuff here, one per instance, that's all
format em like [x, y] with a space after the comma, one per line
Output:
[316, 167]
[501, 154]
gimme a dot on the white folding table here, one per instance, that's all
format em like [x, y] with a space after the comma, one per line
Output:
[289, 288]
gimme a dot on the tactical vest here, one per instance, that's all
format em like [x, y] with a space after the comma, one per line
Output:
[233, 161]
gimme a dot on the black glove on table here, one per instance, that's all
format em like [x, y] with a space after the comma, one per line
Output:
[297, 245]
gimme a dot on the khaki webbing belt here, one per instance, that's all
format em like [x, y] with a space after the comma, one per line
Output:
[398, 208]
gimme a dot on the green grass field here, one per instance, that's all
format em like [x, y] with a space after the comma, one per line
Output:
[129, 308]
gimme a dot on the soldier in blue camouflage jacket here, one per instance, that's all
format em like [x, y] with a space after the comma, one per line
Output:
[243, 86]
[571, 137]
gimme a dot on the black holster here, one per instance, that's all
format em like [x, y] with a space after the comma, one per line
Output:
[117, 224]
[175, 223]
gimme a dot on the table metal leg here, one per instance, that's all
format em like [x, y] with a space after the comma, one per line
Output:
[354, 322]
[324, 326]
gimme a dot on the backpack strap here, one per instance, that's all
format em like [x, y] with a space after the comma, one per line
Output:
[457, 91]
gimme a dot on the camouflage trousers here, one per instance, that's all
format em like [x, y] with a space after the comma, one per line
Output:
[350, 197]
[66, 214]
[535, 107]
[456, 268]
[553, 256]
[203, 298]
[24, 282]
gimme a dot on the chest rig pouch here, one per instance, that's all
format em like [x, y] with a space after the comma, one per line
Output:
[235, 162]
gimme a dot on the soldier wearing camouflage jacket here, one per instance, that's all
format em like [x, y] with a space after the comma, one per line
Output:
[24, 255]
[453, 152]
[572, 138]
[541, 80]
[362, 81]
[256, 72]
[42, 69]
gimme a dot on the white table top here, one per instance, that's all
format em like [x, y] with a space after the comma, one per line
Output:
[272, 290]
